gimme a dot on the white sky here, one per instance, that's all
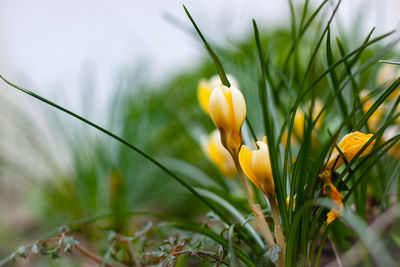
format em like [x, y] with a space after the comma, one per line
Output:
[48, 45]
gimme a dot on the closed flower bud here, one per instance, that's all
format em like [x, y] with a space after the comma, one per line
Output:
[350, 145]
[257, 167]
[218, 154]
[228, 112]
[205, 88]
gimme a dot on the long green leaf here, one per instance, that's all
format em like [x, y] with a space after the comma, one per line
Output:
[124, 142]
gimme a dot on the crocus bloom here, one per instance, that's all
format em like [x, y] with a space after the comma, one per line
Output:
[218, 154]
[298, 125]
[350, 145]
[205, 88]
[228, 112]
[257, 167]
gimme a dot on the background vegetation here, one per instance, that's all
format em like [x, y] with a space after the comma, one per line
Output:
[97, 175]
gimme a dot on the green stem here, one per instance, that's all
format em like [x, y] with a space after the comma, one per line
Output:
[278, 231]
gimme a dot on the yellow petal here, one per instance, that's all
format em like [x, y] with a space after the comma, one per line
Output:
[350, 145]
[203, 95]
[331, 216]
[216, 80]
[219, 155]
[298, 125]
[375, 118]
[228, 112]
[220, 109]
[257, 167]
[239, 108]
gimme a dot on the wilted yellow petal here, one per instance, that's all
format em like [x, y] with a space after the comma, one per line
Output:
[350, 145]
[336, 197]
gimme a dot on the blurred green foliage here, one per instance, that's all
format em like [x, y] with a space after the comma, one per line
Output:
[165, 121]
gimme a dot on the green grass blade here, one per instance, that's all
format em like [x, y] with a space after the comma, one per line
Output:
[235, 213]
[124, 142]
[214, 57]
[390, 62]
[269, 131]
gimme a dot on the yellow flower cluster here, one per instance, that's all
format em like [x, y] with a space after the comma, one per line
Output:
[227, 108]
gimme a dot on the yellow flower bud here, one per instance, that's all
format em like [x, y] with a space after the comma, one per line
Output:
[228, 112]
[218, 154]
[257, 167]
[298, 125]
[350, 145]
[205, 87]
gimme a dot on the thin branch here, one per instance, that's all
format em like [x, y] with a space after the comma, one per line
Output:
[91, 255]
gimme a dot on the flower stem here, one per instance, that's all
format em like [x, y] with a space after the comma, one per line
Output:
[256, 209]
[278, 231]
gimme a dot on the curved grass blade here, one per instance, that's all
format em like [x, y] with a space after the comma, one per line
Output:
[231, 254]
[390, 62]
[124, 142]
[269, 131]
[340, 61]
[188, 170]
[214, 57]
[232, 210]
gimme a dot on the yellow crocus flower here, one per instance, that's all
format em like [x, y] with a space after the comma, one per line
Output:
[257, 167]
[218, 154]
[205, 88]
[228, 112]
[298, 125]
[350, 145]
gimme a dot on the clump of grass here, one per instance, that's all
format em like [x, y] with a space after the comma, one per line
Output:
[303, 103]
